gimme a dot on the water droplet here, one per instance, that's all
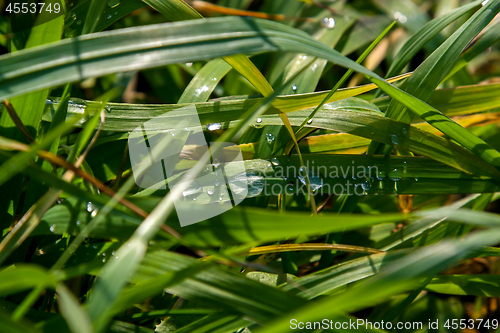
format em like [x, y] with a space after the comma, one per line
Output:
[485, 2]
[269, 137]
[200, 90]
[73, 17]
[310, 121]
[314, 181]
[210, 191]
[103, 259]
[380, 175]
[395, 139]
[404, 131]
[395, 175]
[417, 179]
[104, 254]
[113, 253]
[275, 161]
[400, 17]
[214, 127]
[366, 185]
[248, 181]
[90, 207]
[52, 228]
[294, 87]
[109, 16]
[217, 182]
[216, 163]
[113, 3]
[328, 22]
[193, 190]
[259, 120]
[78, 222]
[214, 79]
[78, 22]
[189, 64]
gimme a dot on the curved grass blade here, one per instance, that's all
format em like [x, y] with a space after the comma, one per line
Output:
[425, 34]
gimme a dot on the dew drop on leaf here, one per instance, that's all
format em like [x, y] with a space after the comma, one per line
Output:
[328, 22]
[269, 137]
[395, 139]
[366, 185]
[113, 3]
[395, 175]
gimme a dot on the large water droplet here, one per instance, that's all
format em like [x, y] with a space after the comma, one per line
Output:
[328, 22]
[52, 228]
[366, 185]
[270, 137]
[309, 121]
[214, 127]
[113, 3]
[210, 191]
[400, 17]
[259, 120]
[395, 139]
[395, 175]
[275, 161]
[216, 163]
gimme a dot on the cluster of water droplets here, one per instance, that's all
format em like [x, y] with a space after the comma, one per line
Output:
[92, 209]
[201, 90]
[400, 17]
